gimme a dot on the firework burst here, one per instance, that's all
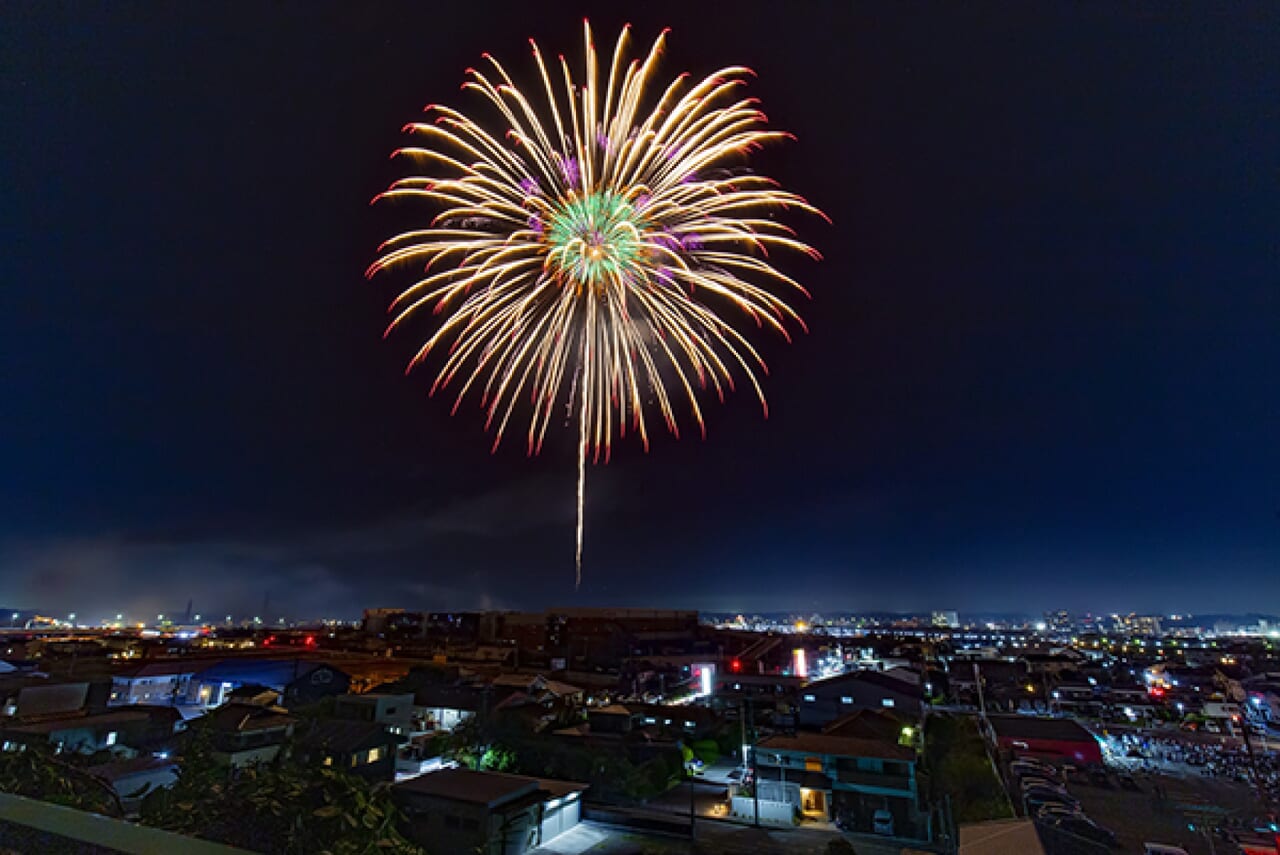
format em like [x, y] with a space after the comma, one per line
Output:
[588, 254]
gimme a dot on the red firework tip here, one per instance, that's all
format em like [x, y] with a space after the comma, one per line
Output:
[486, 55]
[665, 30]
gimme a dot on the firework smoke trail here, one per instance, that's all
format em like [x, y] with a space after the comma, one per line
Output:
[582, 491]
[599, 238]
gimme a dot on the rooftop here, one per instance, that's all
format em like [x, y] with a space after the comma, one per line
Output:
[80, 721]
[485, 788]
[241, 717]
[838, 746]
[464, 785]
[345, 737]
[1028, 727]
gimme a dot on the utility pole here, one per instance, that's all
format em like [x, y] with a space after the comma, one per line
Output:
[693, 813]
[977, 679]
[755, 775]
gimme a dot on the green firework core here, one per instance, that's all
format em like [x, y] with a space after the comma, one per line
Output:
[595, 239]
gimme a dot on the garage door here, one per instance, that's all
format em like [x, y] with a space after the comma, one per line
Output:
[560, 819]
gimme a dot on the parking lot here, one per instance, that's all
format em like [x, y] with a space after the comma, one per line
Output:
[1160, 805]
[1161, 809]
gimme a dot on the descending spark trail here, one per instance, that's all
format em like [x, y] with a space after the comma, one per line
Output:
[598, 238]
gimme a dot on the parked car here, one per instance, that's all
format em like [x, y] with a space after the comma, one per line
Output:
[1083, 827]
[1050, 810]
[1034, 766]
[1028, 783]
[1042, 775]
[1162, 849]
[1033, 800]
[882, 822]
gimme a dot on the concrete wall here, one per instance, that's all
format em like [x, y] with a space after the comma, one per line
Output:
[771, 813]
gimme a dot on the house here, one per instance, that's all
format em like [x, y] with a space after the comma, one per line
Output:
[536, 686]
[133, 779]
[244, 734]
[27, 695]
[461, 812]
[823, 777]
[299, 681]
[165, 681]
[83, 734]
[395, 712]
[364, 748]
[442, 707]
[824, 701]
[1058, 739]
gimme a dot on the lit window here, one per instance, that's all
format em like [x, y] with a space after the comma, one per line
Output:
[887, 702]
[111, 738]
[846, 700]
[810, 698]
[375, 754]
[328, 761]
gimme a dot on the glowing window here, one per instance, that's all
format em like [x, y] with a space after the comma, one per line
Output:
[887, 702]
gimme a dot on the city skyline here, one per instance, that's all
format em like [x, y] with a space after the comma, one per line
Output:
[1040, 371]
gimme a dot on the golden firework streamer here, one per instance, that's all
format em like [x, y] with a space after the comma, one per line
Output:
[595, 248]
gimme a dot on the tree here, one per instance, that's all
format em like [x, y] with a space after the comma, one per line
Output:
[294, 809]
[36, 773]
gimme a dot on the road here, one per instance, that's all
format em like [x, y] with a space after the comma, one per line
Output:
[714, 838]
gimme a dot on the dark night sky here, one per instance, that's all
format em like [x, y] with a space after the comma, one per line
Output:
[1044, 366]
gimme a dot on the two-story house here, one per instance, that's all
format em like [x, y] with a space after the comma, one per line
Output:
[824, 701]
[823, 777]
[244, 734]
[165, 681]
[393, 711]
[363, 748]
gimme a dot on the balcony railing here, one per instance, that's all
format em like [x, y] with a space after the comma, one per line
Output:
[874, 779]
[33, 826]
